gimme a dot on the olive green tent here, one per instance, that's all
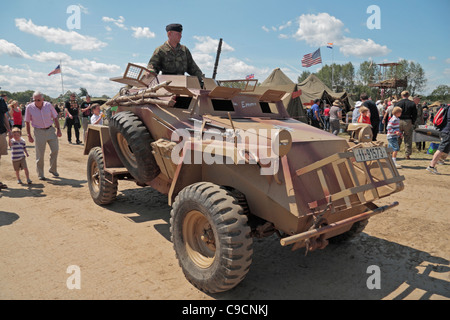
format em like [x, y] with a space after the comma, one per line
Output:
[313, 88]
[277, 80]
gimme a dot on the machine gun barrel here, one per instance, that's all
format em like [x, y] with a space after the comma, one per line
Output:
[219, 50]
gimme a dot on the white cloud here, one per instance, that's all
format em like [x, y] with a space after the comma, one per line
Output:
[93, 66]
[204, 54]
[118, 22]
[317, 30]
[74, 39]
[22, 79]
[140, 32]
[361, 48]
[77, 73]
[284, 26]
[447, 60]
[236, 68]
[206, 44]
[51, 56]
[25, 79]
[204, 61]
[83, 9]
[11, 49]
[83, 64]
[432, 58]
[279, 28]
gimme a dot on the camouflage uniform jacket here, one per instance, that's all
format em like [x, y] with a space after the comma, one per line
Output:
[173, 61]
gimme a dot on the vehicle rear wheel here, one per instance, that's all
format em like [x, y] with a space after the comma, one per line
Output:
[132, 142]
[211, 237]
[356, 229]
[102, 191]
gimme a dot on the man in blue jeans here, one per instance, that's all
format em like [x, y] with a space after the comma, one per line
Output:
[316, 114]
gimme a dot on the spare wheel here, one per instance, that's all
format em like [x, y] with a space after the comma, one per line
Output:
[132, 142]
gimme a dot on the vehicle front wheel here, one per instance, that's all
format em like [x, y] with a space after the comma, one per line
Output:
[102, 191]
[211, 237]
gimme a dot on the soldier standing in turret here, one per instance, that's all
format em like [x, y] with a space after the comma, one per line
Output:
[172, 58]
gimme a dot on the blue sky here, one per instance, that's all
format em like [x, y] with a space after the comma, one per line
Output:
[259, 36]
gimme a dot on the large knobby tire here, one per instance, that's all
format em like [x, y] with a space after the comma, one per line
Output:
[102, 191]
[211, 237]
[132, 142]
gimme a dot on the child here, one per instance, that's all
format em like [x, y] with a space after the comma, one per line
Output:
[393, 133]
[97, 117]
[18, 152]
[365, 115]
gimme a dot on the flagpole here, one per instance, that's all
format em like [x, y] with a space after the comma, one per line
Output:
[62, 81]
[321, 62]
[332, 68]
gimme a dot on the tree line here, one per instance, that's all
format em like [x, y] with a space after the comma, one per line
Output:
[345, 76]
[355, 81]
[25, 97]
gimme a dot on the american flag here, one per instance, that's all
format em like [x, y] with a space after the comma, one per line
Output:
[311, 59]
[250, 76]
[56, 71]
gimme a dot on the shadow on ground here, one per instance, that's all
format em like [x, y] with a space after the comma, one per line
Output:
[337, 272]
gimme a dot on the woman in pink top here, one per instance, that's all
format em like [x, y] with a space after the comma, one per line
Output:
[16, 114]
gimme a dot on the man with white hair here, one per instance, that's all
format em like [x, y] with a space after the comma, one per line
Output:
[41, 115]
[356, 112]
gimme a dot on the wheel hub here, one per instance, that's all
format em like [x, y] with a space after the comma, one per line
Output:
[199, 239]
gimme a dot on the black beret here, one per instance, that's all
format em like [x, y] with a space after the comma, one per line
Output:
[174, 27]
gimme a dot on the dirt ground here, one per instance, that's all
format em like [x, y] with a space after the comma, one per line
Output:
[123, 251]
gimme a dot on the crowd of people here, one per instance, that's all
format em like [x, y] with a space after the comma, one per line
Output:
[44, 118]
[395, 117]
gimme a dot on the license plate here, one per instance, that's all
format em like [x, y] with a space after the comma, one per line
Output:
[369, 154]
